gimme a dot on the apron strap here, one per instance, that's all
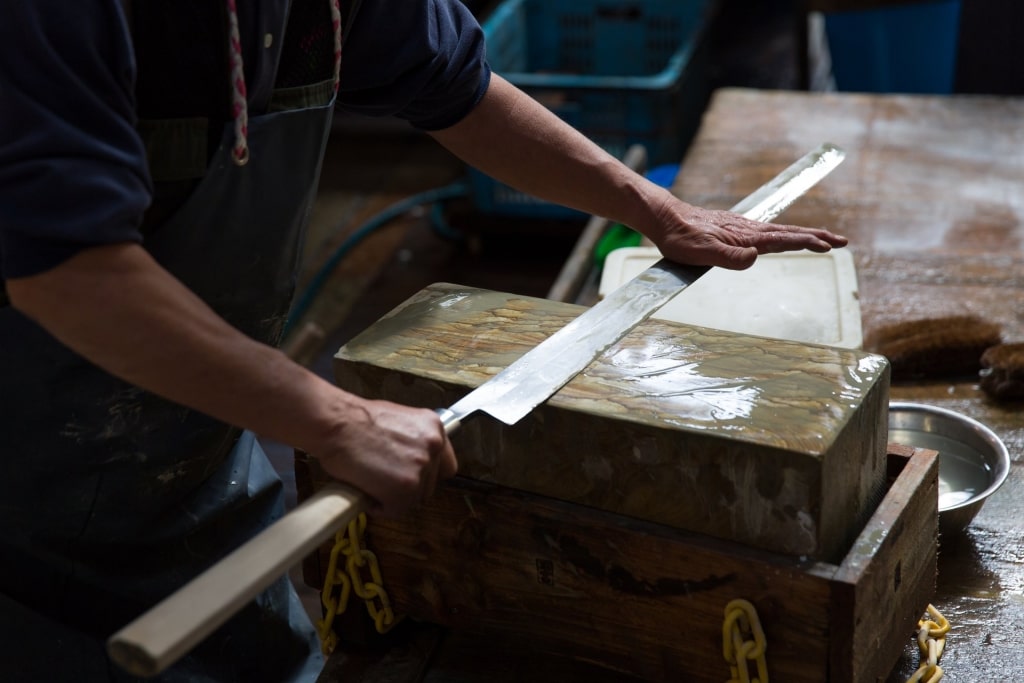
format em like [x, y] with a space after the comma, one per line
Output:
[178, 146]
[239, 100]
[336, 27]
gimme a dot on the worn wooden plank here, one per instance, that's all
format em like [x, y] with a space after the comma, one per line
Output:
[772, 443]
[921, 173]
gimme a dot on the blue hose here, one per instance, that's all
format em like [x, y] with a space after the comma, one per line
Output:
[309, 294]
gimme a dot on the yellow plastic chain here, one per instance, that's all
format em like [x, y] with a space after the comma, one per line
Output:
[742, 641]
[339, 584]
[931, 639]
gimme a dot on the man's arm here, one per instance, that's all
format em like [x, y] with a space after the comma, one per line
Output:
[117, 307]
[518, 141]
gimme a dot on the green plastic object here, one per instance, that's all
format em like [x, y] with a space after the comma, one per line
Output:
[617, 236]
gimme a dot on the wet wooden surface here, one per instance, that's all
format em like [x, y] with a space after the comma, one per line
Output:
[932, 198]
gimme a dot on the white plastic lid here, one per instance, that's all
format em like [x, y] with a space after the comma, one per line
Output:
[800, 296]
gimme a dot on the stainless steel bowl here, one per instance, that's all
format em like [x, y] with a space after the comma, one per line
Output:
[973, 461]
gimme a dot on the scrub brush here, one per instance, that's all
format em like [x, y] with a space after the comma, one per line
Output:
[933, 348]
[1002, 374]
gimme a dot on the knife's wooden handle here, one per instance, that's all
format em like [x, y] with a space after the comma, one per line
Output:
[169, 630]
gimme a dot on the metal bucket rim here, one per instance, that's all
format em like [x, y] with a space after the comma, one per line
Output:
[1001, 453]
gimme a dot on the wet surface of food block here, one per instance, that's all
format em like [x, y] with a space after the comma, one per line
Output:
[775, 444]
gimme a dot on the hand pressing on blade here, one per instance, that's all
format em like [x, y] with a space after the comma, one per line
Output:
[516, 140]
[393, 453]
[705, 237]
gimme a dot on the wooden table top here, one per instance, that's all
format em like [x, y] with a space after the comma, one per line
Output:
[931, 196]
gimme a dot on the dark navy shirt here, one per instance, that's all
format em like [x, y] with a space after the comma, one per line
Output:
[73, 172]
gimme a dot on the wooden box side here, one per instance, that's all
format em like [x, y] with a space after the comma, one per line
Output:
[634, 596]
[642, 598]
[886, 581]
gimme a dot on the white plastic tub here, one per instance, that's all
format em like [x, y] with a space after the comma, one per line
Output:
[800, 296]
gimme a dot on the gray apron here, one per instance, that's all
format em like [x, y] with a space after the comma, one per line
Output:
[110, 497]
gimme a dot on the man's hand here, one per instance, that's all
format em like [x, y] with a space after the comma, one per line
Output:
[704, 237]
[393, 453]
[117, 307]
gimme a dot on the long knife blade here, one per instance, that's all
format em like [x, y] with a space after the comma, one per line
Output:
[537, 375]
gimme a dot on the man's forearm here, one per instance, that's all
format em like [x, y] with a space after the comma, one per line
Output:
[119, 309]
[516, 140]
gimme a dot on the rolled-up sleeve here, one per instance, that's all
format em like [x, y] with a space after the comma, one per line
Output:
[422, 61]
[72, 168]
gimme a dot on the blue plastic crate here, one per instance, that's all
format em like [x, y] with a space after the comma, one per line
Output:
[908, 48]
[622, 72]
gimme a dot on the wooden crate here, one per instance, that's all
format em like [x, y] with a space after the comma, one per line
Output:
[623, 595]
[775, 444]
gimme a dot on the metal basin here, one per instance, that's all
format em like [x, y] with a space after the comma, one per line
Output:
[973, 461]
